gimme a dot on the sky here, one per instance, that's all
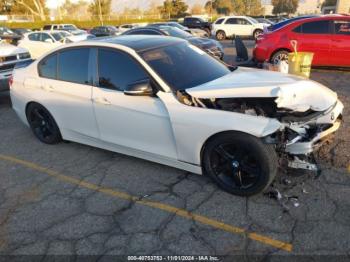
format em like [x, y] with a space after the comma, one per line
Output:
[119, 5]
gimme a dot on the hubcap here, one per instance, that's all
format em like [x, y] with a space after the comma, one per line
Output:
[280, 57]
[235, 167]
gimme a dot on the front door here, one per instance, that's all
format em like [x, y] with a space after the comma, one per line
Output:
[137, 122]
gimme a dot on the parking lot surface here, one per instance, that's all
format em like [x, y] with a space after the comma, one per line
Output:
[71, 199]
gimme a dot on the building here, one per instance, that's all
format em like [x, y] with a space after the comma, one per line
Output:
[343, 7]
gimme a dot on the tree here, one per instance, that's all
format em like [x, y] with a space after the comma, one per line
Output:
[252, 7]
[224, 6]
[28, 7]
[174, 8]
[210, 6]
[284, 6]
[197, 9]
[329, 3]
[100, 8]
[74, 9]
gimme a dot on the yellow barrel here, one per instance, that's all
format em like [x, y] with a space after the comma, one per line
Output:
[300, 63]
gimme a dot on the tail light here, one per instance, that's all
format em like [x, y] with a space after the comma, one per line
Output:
[11, 81]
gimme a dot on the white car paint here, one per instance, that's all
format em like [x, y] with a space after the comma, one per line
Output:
[40, 47]
[161, 128]
[246, 28]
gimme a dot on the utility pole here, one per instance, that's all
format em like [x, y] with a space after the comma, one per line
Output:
[100, 12]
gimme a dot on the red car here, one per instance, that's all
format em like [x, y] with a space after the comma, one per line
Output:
[328, 37]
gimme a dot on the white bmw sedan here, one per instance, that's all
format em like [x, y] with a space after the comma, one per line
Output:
[164, 100]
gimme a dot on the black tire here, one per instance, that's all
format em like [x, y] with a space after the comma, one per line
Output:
[239, 163]
[257, 33]
[220, 35]
[43, 124]
[281, 55]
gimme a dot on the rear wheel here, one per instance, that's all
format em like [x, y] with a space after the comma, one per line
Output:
[42, 124]
[279, 56]
[239, 163]
[220, 35]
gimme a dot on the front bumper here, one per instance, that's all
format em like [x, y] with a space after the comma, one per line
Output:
[4, 78]
[304, 146]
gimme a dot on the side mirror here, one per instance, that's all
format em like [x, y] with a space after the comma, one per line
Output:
[139, 88]
[48, 40]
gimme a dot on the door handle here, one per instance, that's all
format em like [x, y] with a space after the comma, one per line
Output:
[102, 101]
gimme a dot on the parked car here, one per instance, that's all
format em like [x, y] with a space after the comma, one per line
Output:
[104, 31]
[198, 23]
[65, 27]
[194, 31]
[10, 55]
[278, 25]
[210, 46]
[20, 31]
[41, 42]
[164, 100]
[7, 35]
[328, 37]
[265, 21]
[125, 27]
[230, 26]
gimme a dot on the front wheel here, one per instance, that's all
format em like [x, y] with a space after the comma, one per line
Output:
[239, 163]
[42, 124]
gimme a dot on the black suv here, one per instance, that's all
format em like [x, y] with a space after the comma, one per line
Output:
[196, 22]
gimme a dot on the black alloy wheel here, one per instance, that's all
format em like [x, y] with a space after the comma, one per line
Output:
[43, 125]
[240, 164]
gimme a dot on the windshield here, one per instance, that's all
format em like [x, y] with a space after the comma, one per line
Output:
[251, 19]
[57, 36]
[176, 32]
[183, 66]
[69, 27]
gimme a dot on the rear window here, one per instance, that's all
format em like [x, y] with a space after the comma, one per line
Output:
[73, 65]
[218, 22]
[317, 27]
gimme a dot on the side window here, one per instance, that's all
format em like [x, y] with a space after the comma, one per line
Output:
[46, 27]
[73, 65]
[298, 29]
[342, 27]
[317, 27]
[55, 27]
[44, 37]
[34, 37]
[231, 21]
[242, 21]
[48, 67]
[116, 70]
[219, 22]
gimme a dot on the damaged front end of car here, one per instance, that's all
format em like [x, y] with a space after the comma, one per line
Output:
[307, 118]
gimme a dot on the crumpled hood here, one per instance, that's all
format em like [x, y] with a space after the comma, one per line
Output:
[7, 50]
[291, 92]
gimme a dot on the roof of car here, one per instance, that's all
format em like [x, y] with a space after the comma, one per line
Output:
[139, 42]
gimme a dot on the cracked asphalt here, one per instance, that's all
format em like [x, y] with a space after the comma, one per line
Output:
[71, 199]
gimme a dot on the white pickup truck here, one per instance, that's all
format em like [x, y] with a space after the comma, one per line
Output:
[10, 55]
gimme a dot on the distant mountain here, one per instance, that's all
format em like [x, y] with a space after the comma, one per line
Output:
[119, 5]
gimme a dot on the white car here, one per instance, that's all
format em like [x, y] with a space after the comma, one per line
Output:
[64, 27]
[10, 55]
[230, 26]
[139, 95]
[40, 42]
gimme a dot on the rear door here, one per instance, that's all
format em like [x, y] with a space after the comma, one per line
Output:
[65, 79]
[340, 51]
[314, 37]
